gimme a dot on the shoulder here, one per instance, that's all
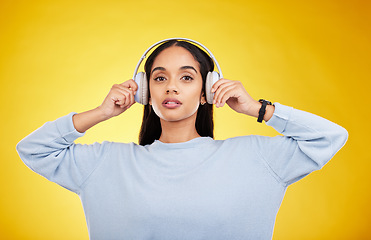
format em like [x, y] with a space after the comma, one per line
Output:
[122, 145]
[127, 148]
[244, 139]
[253, 142]
[240, 142]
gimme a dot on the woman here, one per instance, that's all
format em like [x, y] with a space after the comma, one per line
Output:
[180, 183]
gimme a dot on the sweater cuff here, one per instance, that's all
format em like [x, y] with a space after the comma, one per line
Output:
[67, 129]
[280, 117]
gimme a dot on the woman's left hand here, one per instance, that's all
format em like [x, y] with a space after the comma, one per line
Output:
[235, 95]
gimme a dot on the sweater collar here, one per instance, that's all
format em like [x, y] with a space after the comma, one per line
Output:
[196, 142]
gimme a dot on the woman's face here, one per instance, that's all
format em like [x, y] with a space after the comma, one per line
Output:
[175, 85]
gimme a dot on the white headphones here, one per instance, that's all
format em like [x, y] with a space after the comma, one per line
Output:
[141, 79]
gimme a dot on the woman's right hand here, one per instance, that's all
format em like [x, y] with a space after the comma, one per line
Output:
[119, 99]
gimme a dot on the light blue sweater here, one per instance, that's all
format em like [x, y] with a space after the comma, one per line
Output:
[200, 189]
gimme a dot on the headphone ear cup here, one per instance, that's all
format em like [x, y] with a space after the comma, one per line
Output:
[142, 93]
[211, 78]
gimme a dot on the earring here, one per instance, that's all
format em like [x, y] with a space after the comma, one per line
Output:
[203, 103]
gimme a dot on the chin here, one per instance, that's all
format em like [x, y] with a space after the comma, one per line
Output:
[174, 117]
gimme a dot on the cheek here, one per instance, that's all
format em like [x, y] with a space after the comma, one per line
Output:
[157, 111]
[151, 93]
[194, 101]
[154, 98]
[156, 106]
[194, 108]
[155, 101]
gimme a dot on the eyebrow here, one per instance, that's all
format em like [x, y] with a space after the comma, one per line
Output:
[181, 68]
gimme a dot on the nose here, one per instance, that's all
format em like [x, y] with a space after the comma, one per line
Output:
[172, 87]
[174, 90]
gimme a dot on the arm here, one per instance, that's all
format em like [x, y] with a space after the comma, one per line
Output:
[51, 151]
[309, 141]
[118, 100]
[235, 95]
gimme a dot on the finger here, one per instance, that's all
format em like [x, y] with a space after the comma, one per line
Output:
[131, 104]
[131, 100]
[114, 99]
[115, 96]
[218, 83]
[128, 85]
[131, 84]
[126, 100]
[119, 88]
[130, 97]
[118, 96]
[115, 92]
[220, 89]
[118, 99]
[229, 94]
[223, 95]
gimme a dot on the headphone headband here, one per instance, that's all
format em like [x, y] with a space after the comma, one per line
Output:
[185, 39]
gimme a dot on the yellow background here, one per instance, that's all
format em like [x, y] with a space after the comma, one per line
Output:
[62, 56]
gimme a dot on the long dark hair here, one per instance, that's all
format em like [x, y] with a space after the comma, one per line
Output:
[151, 125]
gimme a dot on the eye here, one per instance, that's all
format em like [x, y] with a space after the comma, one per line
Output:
[159, 79]
[187, 78]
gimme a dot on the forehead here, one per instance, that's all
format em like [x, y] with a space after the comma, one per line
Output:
[175, 57]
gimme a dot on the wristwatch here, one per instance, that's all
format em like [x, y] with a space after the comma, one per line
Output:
[262, 109]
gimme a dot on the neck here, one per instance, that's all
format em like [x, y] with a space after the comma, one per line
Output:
[179, 131]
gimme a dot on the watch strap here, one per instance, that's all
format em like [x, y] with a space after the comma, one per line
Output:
[262, 109]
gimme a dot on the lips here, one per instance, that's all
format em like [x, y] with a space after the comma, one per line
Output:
[171, 103]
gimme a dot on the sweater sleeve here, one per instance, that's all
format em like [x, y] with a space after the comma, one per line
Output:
[309, 142]
[51, 152]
